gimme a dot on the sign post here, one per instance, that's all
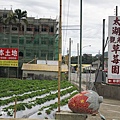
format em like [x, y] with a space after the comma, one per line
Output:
[114, 50]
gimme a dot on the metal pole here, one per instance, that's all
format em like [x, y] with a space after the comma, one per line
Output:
[80, 45]
[103, 49]
[78, 60]
[103, 44]
[60, 54]
[69, 65]
[116, 10]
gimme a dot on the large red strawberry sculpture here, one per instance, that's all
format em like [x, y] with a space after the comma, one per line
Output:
[86, 102]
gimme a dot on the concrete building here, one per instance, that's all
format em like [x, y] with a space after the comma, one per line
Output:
[37, 39]
[42, 71]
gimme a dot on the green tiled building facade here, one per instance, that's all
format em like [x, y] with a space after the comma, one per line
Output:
[38, 39]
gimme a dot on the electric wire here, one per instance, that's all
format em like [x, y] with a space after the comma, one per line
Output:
[64, 30]
[64, 46]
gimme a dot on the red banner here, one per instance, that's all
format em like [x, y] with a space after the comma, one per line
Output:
[8, 53]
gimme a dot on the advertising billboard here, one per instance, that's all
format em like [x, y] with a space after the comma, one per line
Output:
[9, 57]
[114, 50]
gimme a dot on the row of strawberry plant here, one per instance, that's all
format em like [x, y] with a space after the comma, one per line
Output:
[31, 95]
[55, 105]
[22, 88]
[39, 101]
[18, 87]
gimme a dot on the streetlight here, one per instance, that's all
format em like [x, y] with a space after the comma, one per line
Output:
[86, 46]
[80, 60]
[81, 55]
[88, 85]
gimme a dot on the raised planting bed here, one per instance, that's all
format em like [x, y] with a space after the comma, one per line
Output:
[35, 98]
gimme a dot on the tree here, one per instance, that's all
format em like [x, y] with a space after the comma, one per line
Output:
[86, 59]
[11, 19]
[1, 19]
[17, 17]
[21, 16]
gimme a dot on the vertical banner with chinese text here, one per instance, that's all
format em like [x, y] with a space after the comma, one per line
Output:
[114, 50]
[9, 57]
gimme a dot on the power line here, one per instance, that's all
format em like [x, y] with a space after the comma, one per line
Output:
[66, 26]
[70, 29]
[70, 25]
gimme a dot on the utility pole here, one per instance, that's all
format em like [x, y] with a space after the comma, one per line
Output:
[60, 53]
[116, 10]
[80, 46]
[78, 60]
[69, 65]
[103, 44]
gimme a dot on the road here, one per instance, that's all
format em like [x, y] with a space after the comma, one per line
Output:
[110, 109]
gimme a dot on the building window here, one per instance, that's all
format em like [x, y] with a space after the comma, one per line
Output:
[36, 53]
[14, 28]
[43, 53]
[21, 40]
[21, 54]
[4, 15]
[28, 41]
[51, 29]
[29, 28]
[51, 42]
[36, 40]
[14, 41]
[4, 27]
[43, 42]
[28, 53]
[28, 38]
[36, 29]
[51, 55]
[44, 28]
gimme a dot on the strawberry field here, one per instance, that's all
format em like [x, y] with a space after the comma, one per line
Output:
[35, 98]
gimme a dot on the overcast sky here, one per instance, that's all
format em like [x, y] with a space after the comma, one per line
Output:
[94, 11]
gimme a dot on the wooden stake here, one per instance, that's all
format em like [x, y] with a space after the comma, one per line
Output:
[60, 54]
[15, 107]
